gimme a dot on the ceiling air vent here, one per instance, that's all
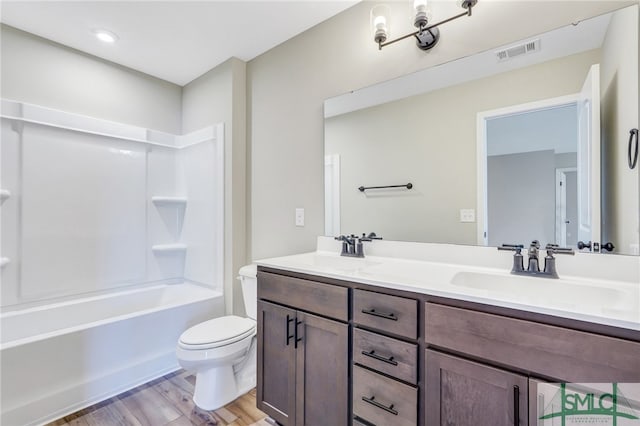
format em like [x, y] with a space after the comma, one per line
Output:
[517, 50]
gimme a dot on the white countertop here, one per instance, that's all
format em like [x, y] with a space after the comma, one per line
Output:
[609, 302]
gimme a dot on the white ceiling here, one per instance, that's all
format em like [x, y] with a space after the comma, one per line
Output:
[173, 40]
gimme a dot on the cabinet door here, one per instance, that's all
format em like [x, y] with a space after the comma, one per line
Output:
[322, 372]
[466, 393]
[276, 362]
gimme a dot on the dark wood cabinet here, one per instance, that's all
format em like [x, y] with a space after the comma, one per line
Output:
[303, 358]
[276, 362]
[465, 393]
[322, 372]
[334, 352]
[380, 400]
[565, 354]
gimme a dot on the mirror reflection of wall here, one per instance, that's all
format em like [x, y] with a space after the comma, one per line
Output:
[429, 139]
[524, 152]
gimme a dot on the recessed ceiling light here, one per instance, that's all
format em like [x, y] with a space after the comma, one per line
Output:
[106, 36]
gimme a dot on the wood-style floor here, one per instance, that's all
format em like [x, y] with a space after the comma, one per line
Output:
[166, 401]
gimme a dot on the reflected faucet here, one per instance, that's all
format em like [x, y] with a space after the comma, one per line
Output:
[533, 267]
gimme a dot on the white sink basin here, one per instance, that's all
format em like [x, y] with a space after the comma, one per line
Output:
[331, 263]
[542, 291]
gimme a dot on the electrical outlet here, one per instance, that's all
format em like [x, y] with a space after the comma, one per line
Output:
[467, 215]
[299, 217]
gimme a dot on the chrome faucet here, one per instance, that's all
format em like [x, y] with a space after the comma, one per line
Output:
[533, 267]
[352, 244]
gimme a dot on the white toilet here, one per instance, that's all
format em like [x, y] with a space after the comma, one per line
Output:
[222, 351]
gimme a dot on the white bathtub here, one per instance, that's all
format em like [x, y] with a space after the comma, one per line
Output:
[62, 357]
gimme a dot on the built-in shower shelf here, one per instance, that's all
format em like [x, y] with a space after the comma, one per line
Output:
[4, 261]
[167, 248]
[4, 194]
[169, 201]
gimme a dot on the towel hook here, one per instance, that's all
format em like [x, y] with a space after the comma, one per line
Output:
[633, 158]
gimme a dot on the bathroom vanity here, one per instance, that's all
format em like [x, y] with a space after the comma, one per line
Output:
[344, 341]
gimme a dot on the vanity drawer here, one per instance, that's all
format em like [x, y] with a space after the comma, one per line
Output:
[393, 314]
[556, 352]
[323, 299]
[383, 401]
[390, 356]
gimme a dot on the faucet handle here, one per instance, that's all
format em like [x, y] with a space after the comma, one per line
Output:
[554, 248]
[372, 236]
[512, 247]
[518, 265]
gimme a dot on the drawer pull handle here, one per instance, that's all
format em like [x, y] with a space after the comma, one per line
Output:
[373, 312]
[375, 403]
[289, 321]
[374, 355]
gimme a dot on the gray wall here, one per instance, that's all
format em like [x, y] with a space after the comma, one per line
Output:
[219, 96]
[288, 84]
[38, 71]
[521, 198]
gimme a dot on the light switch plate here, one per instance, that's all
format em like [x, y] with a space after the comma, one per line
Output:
[467, 215]
[299, 217]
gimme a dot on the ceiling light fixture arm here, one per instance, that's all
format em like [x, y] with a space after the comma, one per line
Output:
[432, 29]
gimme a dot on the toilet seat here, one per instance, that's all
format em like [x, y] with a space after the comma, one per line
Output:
[217, 332]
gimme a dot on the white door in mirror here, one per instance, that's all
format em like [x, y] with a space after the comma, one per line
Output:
[589, 157]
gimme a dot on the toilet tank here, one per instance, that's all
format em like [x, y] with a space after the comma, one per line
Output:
[249, 281]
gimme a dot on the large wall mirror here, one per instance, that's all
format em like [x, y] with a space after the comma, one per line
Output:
[525, 141]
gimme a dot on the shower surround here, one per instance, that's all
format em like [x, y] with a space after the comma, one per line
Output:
[112, 245]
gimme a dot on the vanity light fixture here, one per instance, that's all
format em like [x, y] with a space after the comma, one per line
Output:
[105, 36]
[427, 34]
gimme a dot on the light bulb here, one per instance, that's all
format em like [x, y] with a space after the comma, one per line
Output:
[420, 8]
[379, 23]
[420, 5]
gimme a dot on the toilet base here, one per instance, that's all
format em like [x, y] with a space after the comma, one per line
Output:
[218, 386]
[215, 388]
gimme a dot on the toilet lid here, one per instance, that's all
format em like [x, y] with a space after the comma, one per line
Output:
[218, 332]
